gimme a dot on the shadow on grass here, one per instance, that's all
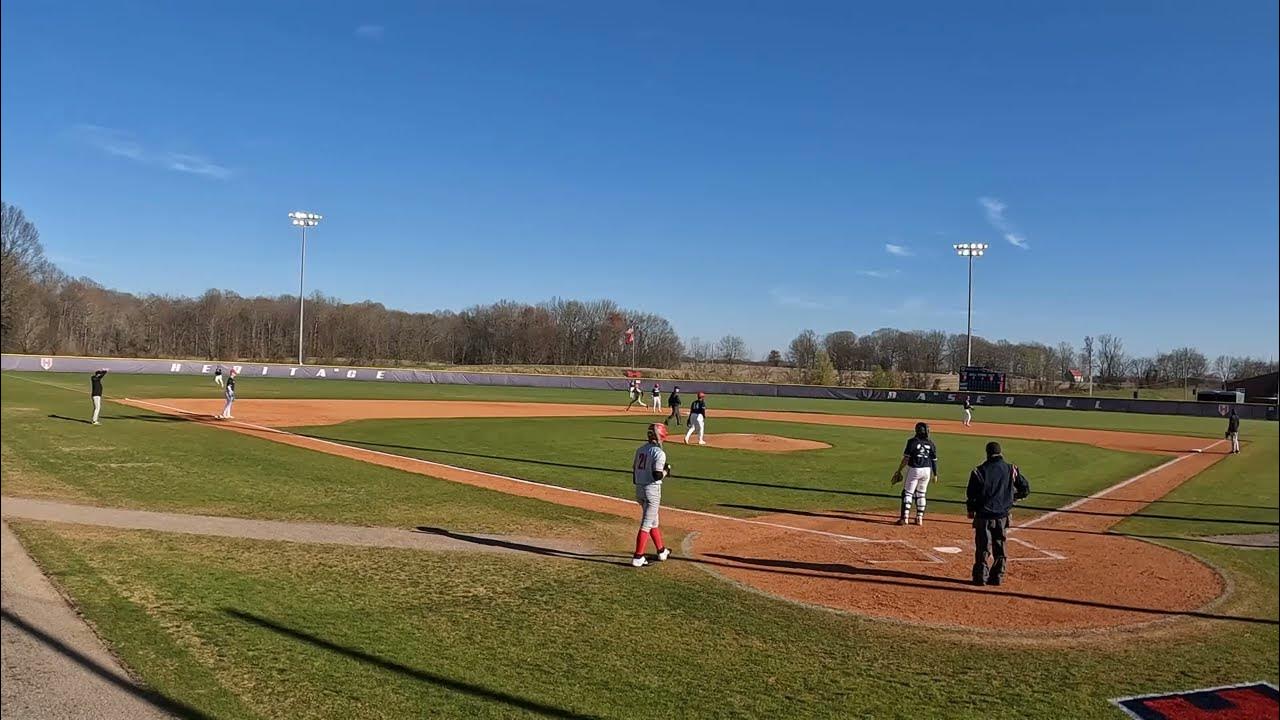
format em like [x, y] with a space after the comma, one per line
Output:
[775, 486]
[71, 419]
[143, 418]
[525, 547]
[476, 691]
[851, 573]
[151, 697]
[873, 519]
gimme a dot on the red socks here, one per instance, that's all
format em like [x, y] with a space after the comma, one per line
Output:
[642, 541]
[656, 534]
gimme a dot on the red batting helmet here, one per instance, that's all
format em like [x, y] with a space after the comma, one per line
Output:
[702, 394]
[657, 432]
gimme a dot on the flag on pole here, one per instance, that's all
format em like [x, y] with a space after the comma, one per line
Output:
[631, 335]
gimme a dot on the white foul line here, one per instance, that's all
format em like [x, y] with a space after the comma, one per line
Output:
[1106, 491]
[838, 536]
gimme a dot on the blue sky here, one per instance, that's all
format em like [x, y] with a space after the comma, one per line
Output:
[754, 168]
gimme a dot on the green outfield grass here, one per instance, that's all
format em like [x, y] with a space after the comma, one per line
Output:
[143, 460]
[155, 386]
[272, 630]
[256, 629]
[595, 454]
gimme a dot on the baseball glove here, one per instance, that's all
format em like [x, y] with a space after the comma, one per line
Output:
[667, 469]
[897, 477]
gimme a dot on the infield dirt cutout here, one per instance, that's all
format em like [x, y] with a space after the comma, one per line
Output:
[1067, 573]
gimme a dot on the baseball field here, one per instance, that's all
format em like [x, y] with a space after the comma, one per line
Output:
[349, 549]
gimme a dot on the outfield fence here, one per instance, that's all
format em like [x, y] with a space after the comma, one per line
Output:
[64, 364]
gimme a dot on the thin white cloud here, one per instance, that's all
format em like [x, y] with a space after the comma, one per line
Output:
[371, 31]
[877, 273]
[786, 298]
[994, 208]
[899, 250]
[119, 143]
[195, 165]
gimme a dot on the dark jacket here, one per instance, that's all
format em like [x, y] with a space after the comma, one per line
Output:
[1233, 424]
[993, 486]
[674, 400]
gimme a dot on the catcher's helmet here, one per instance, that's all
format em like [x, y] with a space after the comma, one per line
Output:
[922, 430]
[657, 432]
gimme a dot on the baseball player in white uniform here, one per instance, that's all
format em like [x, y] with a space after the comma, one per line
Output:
[655, 403]
[697, 419]
[968, 412]
[217, 377]
[920, 458]
[635, 394]
[229, 392]
[648, 468]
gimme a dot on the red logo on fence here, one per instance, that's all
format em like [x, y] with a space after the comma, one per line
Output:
[46, 363]
[1254, 701]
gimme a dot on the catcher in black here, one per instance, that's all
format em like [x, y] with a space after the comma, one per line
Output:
[673, 402]
[993, 487]
[920, 458]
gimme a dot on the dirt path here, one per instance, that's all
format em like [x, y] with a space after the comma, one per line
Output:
[294, 413]
[297, 532]
[51, 664]
[1068, 574]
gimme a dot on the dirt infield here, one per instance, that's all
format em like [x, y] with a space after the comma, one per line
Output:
[763, 443]
[1068, 574]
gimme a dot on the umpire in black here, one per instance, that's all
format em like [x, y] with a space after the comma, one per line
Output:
[993, 487]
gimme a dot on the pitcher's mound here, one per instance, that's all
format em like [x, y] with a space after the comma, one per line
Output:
[762, 443]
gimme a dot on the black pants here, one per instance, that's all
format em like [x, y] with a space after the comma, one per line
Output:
[675, 413]
[988, 538]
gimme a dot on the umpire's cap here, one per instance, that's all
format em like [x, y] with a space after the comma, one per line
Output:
[993, 449]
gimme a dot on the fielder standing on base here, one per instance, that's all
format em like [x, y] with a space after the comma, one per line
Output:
[657, 399]
[697, 418]
[1233, 431]
[95, 392]
[229, 392]
[920, 458]
[648, 468]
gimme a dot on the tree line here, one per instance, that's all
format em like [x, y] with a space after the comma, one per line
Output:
[45, 311]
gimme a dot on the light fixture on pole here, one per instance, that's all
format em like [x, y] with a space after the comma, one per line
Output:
[303, 220]
[971, 251]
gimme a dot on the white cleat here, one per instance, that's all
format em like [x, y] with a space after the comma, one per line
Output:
[919, 519]
[702, 442]
[666, 553]
[95, 422]
[639, 562]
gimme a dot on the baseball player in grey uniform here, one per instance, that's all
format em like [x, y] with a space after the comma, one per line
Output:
[648, 468]
[634, 393]
[229, 392]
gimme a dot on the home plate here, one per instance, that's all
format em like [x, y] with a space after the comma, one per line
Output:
[948, 550]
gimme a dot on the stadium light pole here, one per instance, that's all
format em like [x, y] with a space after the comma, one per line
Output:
[303, 220]
[971, 251]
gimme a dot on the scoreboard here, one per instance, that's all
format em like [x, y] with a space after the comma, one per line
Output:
[979, 379]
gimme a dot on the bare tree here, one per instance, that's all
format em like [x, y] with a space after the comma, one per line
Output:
[1088, 361]
[774, 359]
[731, 349]
[1223, 366]
[842, 347]
[1111, 358]
[803, 351]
